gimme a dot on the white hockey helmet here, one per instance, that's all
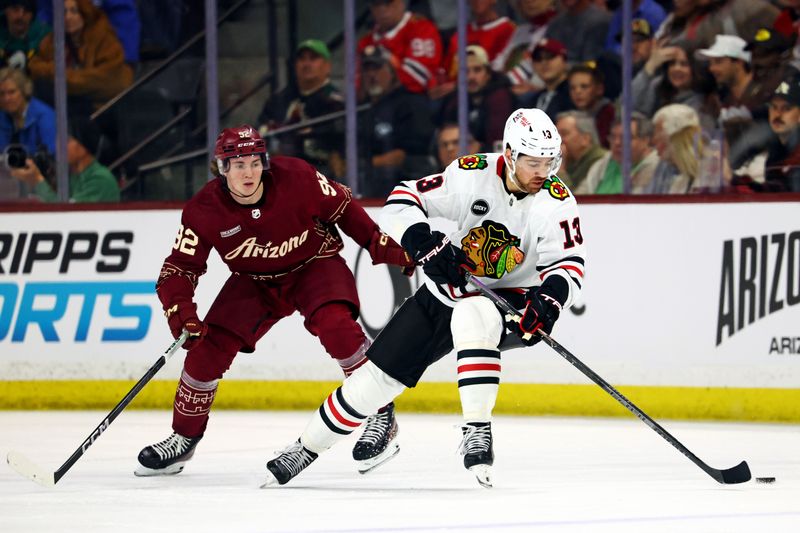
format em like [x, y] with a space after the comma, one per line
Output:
[531, 132]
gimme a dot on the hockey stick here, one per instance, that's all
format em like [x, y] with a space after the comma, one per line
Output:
[28, 469]
[737, 474]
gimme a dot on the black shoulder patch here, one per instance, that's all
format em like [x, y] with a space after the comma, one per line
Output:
[479, 207]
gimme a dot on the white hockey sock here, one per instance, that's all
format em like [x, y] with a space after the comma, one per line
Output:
[345, 409]
[477, 327]
[478, 383]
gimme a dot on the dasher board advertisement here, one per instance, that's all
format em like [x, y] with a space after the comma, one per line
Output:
[674, 294]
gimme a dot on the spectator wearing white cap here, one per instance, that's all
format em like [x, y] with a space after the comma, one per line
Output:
[728, 62]
[700, 21]
[677, 139]
[740, 99]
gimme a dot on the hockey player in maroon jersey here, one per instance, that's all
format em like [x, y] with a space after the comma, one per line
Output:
[274, 222]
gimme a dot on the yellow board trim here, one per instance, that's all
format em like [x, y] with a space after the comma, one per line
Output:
[689, 403]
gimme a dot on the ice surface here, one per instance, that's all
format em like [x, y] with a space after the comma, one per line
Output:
[551, 474]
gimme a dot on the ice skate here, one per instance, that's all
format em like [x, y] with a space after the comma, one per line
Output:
[288, 464]
[166, 457]
[378, 443]
[476, 447]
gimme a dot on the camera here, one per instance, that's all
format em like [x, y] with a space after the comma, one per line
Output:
[14, 156]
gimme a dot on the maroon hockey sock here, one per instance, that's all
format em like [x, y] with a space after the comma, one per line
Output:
[193, 401]
[352, 363]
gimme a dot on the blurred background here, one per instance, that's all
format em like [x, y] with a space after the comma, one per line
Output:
[710, 89]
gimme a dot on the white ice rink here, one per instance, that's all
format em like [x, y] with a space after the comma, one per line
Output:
[551, 474]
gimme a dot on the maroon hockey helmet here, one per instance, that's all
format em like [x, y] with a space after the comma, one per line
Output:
[239, 141]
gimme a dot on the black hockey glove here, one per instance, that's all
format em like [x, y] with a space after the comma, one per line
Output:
[541, 312]
[439, 259]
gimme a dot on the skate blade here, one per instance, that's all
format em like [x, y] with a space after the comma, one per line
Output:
[271, 481]
[171, 470]
[368, 465]
[483, 473]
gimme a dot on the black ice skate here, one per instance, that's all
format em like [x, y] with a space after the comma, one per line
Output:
[166, 457]
[288, 464]
[378, 443]
[476, 447]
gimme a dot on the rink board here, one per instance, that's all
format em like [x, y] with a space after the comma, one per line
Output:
[685, 303]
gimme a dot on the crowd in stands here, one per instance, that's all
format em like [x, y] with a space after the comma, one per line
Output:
[101, 47]
[715, 89]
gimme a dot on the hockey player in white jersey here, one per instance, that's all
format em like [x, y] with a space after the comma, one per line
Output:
[519, 230]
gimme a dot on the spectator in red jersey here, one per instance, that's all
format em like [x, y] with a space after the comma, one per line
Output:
[490, 99]
[275, 222]
[488, 30]
[412, 39]
[586, 88]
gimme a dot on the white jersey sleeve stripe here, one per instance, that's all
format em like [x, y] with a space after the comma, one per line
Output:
[573, 268]
[399, 193]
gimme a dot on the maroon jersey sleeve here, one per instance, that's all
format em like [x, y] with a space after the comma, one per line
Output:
[186, 263]
[337, 207]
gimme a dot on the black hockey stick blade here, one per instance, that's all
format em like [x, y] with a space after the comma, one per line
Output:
[738, 474]
[30, 470]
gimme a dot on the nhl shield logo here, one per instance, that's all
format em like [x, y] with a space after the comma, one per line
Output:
[256, 213]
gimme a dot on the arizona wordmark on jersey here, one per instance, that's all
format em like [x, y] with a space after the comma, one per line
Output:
[515, 241]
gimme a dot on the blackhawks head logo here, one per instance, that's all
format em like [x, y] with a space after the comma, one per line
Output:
[493, 249]
[556, 188]
[473, 162]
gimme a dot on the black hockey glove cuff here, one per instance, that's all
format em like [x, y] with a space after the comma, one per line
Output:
[543, 305]
[439, 259]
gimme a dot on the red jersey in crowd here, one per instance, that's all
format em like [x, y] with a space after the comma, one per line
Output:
[290, 227]
[494, 37]
[416, 47]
